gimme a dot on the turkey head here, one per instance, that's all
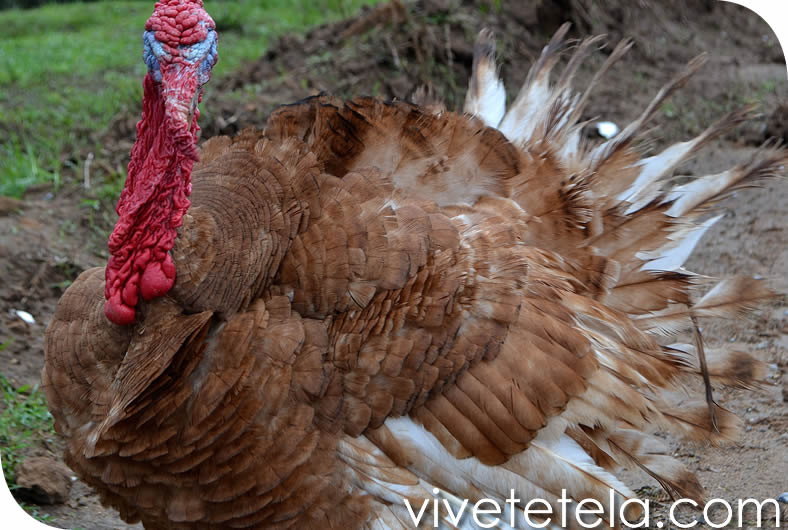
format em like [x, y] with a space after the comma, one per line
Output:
[180, 51]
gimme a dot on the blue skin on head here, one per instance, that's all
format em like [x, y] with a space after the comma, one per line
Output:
[204, 52]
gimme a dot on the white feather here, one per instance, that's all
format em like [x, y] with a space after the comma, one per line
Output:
[656, 167]
[491, 105]
[691, 194]
[673, 254]
[523, 117]
[542, 471]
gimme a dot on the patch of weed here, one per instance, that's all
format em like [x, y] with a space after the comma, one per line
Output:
[24, 420]
[669, 109]
[36, 513]
[67, 69]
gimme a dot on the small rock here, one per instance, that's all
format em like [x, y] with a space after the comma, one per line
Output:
[607, 129]
[755, 420]
[25, 316]
[43, 480]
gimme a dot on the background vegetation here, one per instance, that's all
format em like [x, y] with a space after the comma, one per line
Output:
[67, 69]
[28, 4]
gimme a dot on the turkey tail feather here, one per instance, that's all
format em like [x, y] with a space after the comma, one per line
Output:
[486, 97]
[623, 209]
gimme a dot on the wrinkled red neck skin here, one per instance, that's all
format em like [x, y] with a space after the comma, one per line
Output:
[155, 198]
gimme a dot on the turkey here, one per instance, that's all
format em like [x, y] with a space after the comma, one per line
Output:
[376, 314]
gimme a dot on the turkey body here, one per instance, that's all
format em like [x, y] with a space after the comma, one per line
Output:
[377, 302]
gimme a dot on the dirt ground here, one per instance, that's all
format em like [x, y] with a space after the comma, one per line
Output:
[47, 239]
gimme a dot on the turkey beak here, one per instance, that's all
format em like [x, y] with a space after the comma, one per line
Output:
[181, 92]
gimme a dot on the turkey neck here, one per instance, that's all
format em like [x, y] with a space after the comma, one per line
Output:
[155, 197]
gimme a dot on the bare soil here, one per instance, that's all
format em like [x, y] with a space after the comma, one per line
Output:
[48, 238]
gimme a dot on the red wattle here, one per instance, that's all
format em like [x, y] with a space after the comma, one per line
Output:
[118, 312]
[158, 278]
[155, 198]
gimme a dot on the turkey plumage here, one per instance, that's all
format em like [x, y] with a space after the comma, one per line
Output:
[372, 305]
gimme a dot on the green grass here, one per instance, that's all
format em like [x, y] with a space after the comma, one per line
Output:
[24, 420]
[66, 70]
[36, 513]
